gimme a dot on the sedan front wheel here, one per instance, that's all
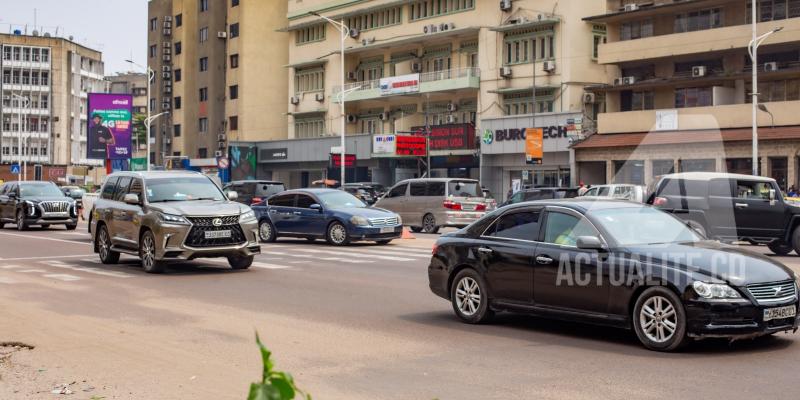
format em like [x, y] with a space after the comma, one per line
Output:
[337, 234]
[660, 320]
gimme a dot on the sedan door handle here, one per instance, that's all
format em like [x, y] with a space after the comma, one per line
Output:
[544, 260]
[273, 212]
[485, 250]
[741, 205]
[297, 213]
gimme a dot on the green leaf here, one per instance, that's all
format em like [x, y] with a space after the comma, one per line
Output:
[265, 359]
[286, 388]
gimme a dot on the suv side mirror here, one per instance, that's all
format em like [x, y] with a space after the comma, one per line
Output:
[590, 243]
[316, 206]
[131, 198]
[12, 195]
[233, 195]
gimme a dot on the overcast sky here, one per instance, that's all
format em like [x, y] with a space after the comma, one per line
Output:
[118, 28]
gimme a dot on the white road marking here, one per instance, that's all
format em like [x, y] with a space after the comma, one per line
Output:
[352, 254]
[300, 262]
[63, 277]
[270, 266]
[91, 270]
[42, 258]
[9, 266]
[38, 271]
[275, 253]
[45, 238]
[388, 253]
[8, 281]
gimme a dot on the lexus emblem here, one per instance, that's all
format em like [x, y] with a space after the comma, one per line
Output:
[216, 222]
[777, 290]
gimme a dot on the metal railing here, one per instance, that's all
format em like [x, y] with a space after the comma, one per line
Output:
[432, 76]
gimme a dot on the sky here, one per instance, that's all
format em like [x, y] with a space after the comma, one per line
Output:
[118, 28]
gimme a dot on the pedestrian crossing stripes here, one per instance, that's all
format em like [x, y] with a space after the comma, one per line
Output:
[91, 270]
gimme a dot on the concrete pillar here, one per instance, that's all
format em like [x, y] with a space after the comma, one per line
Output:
[763, 165]
[720, 161]
[791, 168]
[610, 171]
[648, 171]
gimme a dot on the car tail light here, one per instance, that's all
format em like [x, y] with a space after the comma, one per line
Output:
[660, 201]
[452, 205]
[480, 207]
[435, 249]
[256, 200]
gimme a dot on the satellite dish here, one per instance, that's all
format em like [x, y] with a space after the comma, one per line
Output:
[35, 33]
[71, 39]
[47, 34]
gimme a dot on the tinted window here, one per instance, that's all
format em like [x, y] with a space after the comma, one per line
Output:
[286, 200]
[567, 193]
[591, 192]
[464, 189]
[268, 189]
[753, 190]
[136, 188]
[516, 197]
[122, 188]
[418, 188]
[13, 189]
[538, 195]
[564, 229]
[603, 191]
[719, 187]
[109, 187]
[436, 188]
[398, 191]
[521, 225]
[305, 201]
[244, 190]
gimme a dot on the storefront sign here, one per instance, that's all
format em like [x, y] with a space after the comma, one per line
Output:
[399, 84]
[534, 145]
[501, 135]
[57, 172]
[336, 160]
[274, 154]
[450, 137]
[408, 145]
[383, 145]
[666, 120]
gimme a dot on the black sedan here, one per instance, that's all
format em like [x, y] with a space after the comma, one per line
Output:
[613, 263]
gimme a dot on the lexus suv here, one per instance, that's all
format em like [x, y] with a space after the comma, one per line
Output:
[171, 215]
[36, 203]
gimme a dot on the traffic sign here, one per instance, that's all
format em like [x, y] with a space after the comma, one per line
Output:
[15, 169]
[222, 163]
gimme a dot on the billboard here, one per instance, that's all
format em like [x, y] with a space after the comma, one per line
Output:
[383, 145]
[109, 126]
[399, 84]
[243, 162]
[534, 145]
[410, 145]
[449, 136]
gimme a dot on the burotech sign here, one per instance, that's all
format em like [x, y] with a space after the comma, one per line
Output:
[408, 145]
[450, 137]
[501, 135]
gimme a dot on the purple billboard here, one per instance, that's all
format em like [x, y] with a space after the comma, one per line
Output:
[109, 135]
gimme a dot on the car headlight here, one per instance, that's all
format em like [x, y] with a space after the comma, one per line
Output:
[797, 280]
[248, 216]
[399, 220]
[715, 290]
[173, 219]
[31, 206]
[359, 220]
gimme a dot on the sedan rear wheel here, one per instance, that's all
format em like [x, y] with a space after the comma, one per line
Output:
[147, 252]
[660, 320]
[337, 234]
[469, 297]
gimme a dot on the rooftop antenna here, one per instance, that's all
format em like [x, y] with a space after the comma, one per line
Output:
[34, 19]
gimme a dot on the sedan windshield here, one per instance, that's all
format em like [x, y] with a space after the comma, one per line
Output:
[640, 226]
[182, 189]
[340, 200]
[39, 190]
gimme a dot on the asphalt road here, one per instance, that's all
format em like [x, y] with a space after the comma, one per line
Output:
[349, 323]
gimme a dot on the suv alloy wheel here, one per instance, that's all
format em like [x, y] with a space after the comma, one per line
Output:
[147, 253]
[429, 224]
[107, 256]
[21, 221]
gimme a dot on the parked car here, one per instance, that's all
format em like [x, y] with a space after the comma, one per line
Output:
[39, 203]
[171, 215]
[429, 204]
[360, 193]
[330, 214]
[731, 207]
[377, 190]
[76, 193]
[618, 191]
[605, 262]
[541, 193]
[254, 191]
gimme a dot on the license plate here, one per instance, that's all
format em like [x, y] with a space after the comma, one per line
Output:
[387, 229]
[467, 207]
[779, 313]
[218, 234]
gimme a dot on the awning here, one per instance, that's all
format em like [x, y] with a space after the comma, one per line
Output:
[367, 44]
[307, 113]
[684, 137]
[649, 10]
[309, 63]
[524, 25]
[522, 89]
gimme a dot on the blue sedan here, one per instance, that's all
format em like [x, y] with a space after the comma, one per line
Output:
[330, 214]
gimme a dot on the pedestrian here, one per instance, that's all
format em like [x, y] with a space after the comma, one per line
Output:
[792, 191]
[582, 189]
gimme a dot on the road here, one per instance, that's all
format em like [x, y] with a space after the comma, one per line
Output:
[349, 323]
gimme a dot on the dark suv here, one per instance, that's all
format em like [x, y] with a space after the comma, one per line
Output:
[36, 203]
[731, 207]
[254, 192]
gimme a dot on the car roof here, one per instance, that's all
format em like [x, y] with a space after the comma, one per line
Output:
[581, 204]
[258, 181]
[157, 174]
[715, 175]
[311, 191]
[438, 180]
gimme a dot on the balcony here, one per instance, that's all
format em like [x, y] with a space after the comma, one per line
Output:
[722, 117]
[437, 81]
[697, 42]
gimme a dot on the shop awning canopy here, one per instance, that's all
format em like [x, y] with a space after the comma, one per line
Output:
[522, 89]
[544, 21]
[683, 137]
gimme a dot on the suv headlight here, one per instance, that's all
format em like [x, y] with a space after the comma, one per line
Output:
[173, 219]
[248, 216]
[359, 220]
[31, 206]
[715, 290]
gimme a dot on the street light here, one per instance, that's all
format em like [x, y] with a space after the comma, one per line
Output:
[22, 163]
[752, 49]
[764, 109]
[148, 119]
[345, 31]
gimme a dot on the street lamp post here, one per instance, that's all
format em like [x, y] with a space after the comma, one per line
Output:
[22, 163]
[345, 32]
[148, 119]
[752, 48]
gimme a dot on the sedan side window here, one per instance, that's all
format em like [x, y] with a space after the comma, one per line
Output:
[109, 187]
[304, 201]
[517, 197]
[398, 191]
[286, 200]
[519, 225]
[3, 189]
[565, 229]
[591, 192]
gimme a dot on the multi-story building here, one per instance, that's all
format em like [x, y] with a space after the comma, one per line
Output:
[45, 83]
[135, 84]
[218, 72]
[452, 69]
[680, 99]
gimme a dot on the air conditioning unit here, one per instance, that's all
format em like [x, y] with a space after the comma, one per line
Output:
[165, 106]
[168, 18]
[294, 100]
[549, 66]
[505, 5]
[354, 33]
[505, 72]
[168, 141]
[222, 137]
[384, 116]
[416, 67]
[589, 98]
[320, 97]
[167, 24]
[218, 153]
[351, 118]
[352, 76]
[770, 67]
[222, 34]
[628, 80]
[631, 7]
[451, 26]
[220, 145]
[167, 31]
[452, 107]
[167, 89]
[428, 29]
[367, 41]
[166, 57]
[166, 68]
[166, 75]
[617, 81]
[451, 119]
[698, 71]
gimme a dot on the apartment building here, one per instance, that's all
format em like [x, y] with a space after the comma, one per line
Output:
[45, 83]
[451, 69]
[135, 84]
[218, 73]
[680, 99]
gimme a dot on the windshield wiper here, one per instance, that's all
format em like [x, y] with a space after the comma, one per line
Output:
[165, 200]
[207, 198]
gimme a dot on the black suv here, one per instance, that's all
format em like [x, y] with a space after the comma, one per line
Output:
[36, 203]
[541, 193]
[254, 192]
[731, 207]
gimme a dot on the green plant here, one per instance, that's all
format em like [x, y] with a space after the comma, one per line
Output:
[274, 385]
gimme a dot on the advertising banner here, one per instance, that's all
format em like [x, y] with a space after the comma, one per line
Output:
[408, 145]
[383, 145]
[534, 145]
[450, 136]
[243, 162]
[399, 84]
[109, 126]
[336, 160]
[274, 154]
[139, 164]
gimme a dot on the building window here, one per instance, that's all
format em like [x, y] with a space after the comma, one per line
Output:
[204, 94]
[234, 30]
[598, 38]
[781, 90]
[375, 19]
[203, 5]
[203, 34]
[152, 104]
[636, 101]
[177, 74]
[177, 102]
[521, 47]
[309, 127]
[203, 64]
[693, 97]
[309, 80]
[202, 125]
[178, 48]
[773, 10]
[153, 24]
[202, 152]
[522, 103]
[636, 30]
[234, 3]
[176, 130]
[233, 92]
[698, 20]
[233, 123]
[178, 20]
[310, 34]
[430, 8]
[234, 61]
[153, 51]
